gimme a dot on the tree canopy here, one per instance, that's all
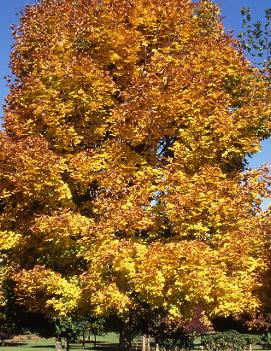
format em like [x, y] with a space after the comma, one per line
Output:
[123, 161]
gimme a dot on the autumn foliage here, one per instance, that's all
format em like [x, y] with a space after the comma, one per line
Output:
[122, 161]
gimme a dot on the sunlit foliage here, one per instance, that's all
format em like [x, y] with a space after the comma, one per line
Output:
[122, 161]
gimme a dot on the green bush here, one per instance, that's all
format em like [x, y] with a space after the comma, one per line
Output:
[229, 341]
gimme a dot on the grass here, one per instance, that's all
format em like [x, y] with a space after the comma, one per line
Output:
[106, 342]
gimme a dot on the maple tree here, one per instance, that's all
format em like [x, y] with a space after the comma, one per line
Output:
[122, 161]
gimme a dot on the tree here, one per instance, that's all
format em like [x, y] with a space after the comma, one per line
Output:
[255, 38]
[122, 161]
[175, 334]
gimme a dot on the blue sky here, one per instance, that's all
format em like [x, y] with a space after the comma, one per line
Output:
[230, 10]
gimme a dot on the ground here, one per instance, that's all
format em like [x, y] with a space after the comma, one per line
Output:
[105, 342]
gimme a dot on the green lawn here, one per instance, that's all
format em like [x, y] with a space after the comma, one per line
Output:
[38, 345]
[105, 342]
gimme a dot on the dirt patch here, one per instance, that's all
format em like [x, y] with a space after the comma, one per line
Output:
[19, 338]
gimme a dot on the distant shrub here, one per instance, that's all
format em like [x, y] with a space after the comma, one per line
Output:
[229, 341]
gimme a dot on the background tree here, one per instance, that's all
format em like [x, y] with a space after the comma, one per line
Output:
[256, 37]
[122, 162]
[175, 333]
[256, 43]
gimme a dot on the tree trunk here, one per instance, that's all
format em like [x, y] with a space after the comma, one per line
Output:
[83, 341]
[95, 341]
[58, 345]
[125, 339]
[146, 346]
[148, 343]
[143, 343]
[268, 338]
[67, 344]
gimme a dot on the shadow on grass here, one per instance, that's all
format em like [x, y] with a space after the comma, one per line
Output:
[113, 347]
[14, 344]
[105, 347]
[41, 346]
[100, 347]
